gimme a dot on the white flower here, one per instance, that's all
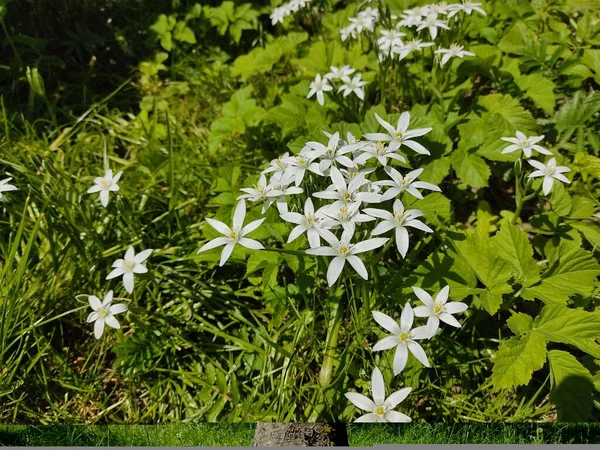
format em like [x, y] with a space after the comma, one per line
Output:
[128, 266]
[344, 215]
[234, 235]
[318, 87]
[440, 8]
[334, 152]
[278, 15]
[412, 17]
[411, 46]
[432, 23]
[353, 85]
[379, 409]
[400, 135]
[308, 222]
[407, 183]
[467, 7]
[527, 144]
[390, 38]
[398, 220]
[259, 191]
[550, 172]
[346, 193]
[346, 32]
[104, 313]
[298, 165]
[339, 72]
[403, 338]
[104, 185]
[454, 50]
[379, 151]
[5, 187]
[438, 309]
[363, 22]
[342, 250]
[277, 165]
[278, 188]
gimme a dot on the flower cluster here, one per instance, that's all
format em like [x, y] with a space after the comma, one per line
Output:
[279, 14]
[549, 171]
[350, 83]
[404, 338]
[426, 21]
[351, 197]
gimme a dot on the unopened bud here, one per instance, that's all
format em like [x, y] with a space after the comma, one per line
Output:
[518, 167]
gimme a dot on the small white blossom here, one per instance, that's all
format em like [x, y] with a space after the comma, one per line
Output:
[550, 172]
[344, 193]
[403, 337]
[347, 32]
[400, 135]
[339, 72]
[342, 250]
[455, 50]
[334, 152]
[308, 222]
[104, 313]
[379, 409]
[318, 87]
[432, 23]
[5, 187]
[104, 185]
[438, 309]
[379, 151]
[527, 144]
[399, 184]
[346, 215]
[353, 85]
[277, 190]
[256, 193]
[399, 219]
[467, 6]
[409, 47]
[128, 266]
[390, 38]
[234, 235]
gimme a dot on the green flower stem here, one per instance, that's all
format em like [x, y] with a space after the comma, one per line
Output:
[520, 197]
[332, 337]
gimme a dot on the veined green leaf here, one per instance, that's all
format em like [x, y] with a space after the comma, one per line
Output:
[571, 387]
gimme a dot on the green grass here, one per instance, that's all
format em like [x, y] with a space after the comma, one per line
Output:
[242, 434]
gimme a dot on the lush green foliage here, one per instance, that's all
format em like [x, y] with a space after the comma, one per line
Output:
[217, 92]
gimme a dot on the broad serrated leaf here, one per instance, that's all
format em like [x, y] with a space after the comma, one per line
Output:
[514, 116]
[572, 271]
[539, 89]
[571, 387]
[570, 326]
[470, 168]
[517, 359]
[589, 230]
[512, 245]
[520, 323]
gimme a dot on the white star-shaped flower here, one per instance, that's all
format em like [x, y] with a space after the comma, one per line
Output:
[339, 72]
[308, 222]
[128, 266]
[342, 250]
[318, 87]
[438, 309]
[407, 183]
[467, 6]
[550, 172]
[256, 193]
[346, 215]
[104, 313]
[527, 144]
[432, 23]
[411, 46]
[399, 219]
[379, 409]
[343, 192]
[403, 337]
[104, 185]
[5, 187]
[234, 235]
[455, 50]
[353, 85]
[380, 152]
[400, 135]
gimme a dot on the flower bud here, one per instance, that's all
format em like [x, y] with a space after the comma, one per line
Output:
[518, 167]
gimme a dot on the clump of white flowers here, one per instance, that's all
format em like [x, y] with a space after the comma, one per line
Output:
[279, 14]
[349, 83]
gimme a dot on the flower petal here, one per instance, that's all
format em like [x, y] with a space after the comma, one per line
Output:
[386, 322]
[360, 401]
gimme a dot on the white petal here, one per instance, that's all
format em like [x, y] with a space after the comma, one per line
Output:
[118, 308]
[360, 401]
[217, 242]
[386, 343]
[418, 352]
[359, 266]
[402, 241]
[115, 273]
[251, 244]
[239, 214]
[397, 417]
[547, 185]
[406, 318]
[378, 387]
[219, 226]
[400, 358]
[334, 270]
[442, 296]
[95, 302]
[104, 198]
[112, 322]
[143, 255]
[129, 254]
[450, 320]
[367, 418]
[99, 328]
[397, 397]
[226, 253]
[423, 296]
[455, 307]
[386, 322]
[128, 282]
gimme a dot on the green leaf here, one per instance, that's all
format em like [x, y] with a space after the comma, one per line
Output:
[512, 245]
[560, 200]
[470, 168]
[517, 359]
[512, 115]
[539, 89]
[590, 231]
[570, 326]
[437, 208]
[572, 271]
[520, 323]
[163, 25]
[571, 387]
[491, 270]
[184, 33]
[436, 170]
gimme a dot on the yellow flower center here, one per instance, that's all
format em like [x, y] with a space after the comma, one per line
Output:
[129, 265]
[343, 249]
[398, 215]
[346, 195]
[233, 235]
[103, 313]
[106, 183]
[403, 336]
[399, 134]
[380, 410]
[437, 309]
